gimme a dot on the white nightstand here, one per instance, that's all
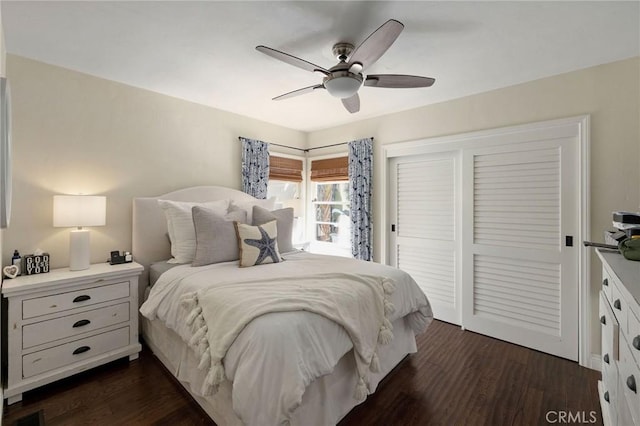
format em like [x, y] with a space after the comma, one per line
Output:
[64, 322]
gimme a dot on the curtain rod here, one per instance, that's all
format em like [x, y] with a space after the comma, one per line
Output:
[304, 149]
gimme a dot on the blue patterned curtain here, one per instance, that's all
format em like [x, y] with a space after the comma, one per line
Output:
[360, 182]
[255, 167]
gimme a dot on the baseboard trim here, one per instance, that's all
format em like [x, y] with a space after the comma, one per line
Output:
[596, 362]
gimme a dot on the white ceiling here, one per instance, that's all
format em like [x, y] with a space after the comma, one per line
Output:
[204, 51]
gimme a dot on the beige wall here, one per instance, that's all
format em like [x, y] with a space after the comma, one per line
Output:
[3, 51]
[609, 93]
[74, 133]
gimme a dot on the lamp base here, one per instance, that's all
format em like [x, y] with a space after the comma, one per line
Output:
[79, 250]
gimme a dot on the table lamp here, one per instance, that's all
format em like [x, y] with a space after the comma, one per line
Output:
[78, 211]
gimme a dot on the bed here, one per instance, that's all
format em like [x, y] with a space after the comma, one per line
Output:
[289, 367]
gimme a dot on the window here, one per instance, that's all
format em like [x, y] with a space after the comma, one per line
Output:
[286, 184]
[330, 221]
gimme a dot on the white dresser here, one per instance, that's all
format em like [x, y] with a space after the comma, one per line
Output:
[64, 322]
[620, 323]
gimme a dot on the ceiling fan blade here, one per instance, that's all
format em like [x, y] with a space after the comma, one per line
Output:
[291, 60]
[398, 81]
[299, 92]
[377, 43]
[352, 104]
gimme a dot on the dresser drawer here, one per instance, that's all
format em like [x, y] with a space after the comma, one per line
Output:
[624, 414]
[610, 384]
[610, 330]
[607, 282]
[59, 356]
[634, 336]
[630, 381]
[64, 301]
[620, 307]
[72, 325]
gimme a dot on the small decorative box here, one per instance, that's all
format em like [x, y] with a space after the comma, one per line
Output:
[35, 264]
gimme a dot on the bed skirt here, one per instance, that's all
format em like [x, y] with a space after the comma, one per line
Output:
[326, 400]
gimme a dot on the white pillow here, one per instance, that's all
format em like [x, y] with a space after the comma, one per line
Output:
[182, 232]
[247, 206]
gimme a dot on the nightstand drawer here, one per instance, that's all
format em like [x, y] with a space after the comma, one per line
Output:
[59, 356]
[64, 301]
[72, 325]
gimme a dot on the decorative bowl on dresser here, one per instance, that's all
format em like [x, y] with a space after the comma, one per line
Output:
[620, 323]
[65, 322]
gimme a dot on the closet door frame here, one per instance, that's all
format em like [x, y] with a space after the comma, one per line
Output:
[579, 126]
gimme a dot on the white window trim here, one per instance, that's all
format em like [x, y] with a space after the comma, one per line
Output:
[309, 219]
[304, 186]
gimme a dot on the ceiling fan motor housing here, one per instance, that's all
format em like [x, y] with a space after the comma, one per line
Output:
[342, 51]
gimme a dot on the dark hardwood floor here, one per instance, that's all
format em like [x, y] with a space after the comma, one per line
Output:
[457, 377]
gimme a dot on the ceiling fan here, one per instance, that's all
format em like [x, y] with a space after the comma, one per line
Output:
[345, 79]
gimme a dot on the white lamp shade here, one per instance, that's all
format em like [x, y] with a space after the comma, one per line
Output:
[79, 210]
[342, 87]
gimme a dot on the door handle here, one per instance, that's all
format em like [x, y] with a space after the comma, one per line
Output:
[603, 320]
[617, 304]
[81, 298]
[605, 358]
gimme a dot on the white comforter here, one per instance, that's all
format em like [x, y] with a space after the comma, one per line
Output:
[278, 354]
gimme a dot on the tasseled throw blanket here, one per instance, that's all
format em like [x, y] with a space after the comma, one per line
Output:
[359, 303]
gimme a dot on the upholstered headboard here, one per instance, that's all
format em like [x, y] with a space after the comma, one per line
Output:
[150, 242]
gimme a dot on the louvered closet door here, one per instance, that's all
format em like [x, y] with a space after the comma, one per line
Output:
[519, 275]
[423, 211]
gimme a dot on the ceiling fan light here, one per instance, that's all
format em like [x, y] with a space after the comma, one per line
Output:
[343, 85]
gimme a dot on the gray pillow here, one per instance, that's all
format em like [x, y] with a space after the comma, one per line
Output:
[216, 239]
[284, 224]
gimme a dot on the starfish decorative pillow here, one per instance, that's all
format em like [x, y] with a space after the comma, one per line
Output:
[258, 244]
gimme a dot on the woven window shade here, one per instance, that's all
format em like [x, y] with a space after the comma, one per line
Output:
[288, 169]
[331, 169]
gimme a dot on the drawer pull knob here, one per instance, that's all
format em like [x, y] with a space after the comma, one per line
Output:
[605, 358]
[606, 396]
[636, 342]
[603, 320]
[605, 282]
[617, 305]
[81, 323]
[81, 298]
[81, 349]
[631, 383]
